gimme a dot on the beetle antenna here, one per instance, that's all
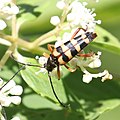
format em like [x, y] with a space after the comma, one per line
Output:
[27, 64]
[54, 91]
[23, 67]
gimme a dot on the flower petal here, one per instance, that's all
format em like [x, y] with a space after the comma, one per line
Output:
[15, 99]
[2, 25]
[87, 78]
[16, 90]
[15, 118]
[8, 86]
[95, 64]
[60, 5]
[55, 20]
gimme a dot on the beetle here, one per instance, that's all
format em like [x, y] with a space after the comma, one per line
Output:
[62, 54]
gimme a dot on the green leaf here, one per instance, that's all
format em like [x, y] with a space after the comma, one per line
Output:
[41, 84]
[43, 10]
[93, 99]
[106, 41]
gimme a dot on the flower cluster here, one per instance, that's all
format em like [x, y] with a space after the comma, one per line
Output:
[90, 62]
[9, 93]
[7, 10]
[78, 15]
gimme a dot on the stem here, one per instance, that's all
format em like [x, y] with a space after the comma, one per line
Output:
[6, 55]
[14, 24]
[50, 36]
[13, 46]
[55, 31]
[45, 36]
[64, 14]
[24, 44]
[14, 32]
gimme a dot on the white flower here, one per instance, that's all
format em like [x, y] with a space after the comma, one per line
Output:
[15, 100]
[8, 86]
[7, 93]
[96, 62]
[60, 5]
[15, 118]
[87, 78]
[105, 75]
[2, 25]
[55, 20]
[81, 16]
[1, 82]
[16, 90]
[7, 10]
[92, 62]
[42, 61]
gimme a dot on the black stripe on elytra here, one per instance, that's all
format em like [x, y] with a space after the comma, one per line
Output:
[71, 48]
[59, 49]
[89, 36]
[76, 38]
[74, 52]
[69, 45]
[82, 44]
[65, 58]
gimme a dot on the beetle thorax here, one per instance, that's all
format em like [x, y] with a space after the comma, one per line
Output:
[52, 62]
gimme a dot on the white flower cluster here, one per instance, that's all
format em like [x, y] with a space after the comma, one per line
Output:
[78, 15]
[91, 62]
[42, 61]
[9, 93]
[7, 9]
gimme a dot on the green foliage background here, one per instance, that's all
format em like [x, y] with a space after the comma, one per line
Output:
[87, 101]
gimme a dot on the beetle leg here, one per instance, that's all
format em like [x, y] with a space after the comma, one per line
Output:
[86, 55]
[70, 69]
[58, 72]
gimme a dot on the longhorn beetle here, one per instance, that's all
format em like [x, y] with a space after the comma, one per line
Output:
[61, 55]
